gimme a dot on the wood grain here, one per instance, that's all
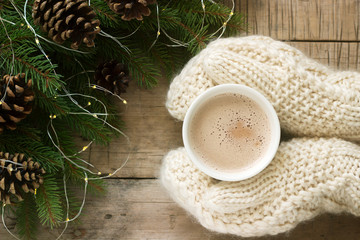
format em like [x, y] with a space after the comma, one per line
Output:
[141, 209]
[314, 20]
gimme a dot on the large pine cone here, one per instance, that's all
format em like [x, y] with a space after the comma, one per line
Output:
[17, 103]
[130, 9]
[67, 19]
[113, 76]
[18, 174]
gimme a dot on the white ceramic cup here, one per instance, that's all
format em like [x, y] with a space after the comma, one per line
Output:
[265, 105]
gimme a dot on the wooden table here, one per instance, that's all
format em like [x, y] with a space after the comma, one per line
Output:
[136, 206]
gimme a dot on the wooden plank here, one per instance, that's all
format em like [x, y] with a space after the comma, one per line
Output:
[141, 209]
[332, 20]
[337, 55]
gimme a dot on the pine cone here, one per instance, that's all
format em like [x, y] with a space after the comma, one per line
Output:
[17, 103]
[130, 9]
[67, 19]
[113, 76]
[15, 179]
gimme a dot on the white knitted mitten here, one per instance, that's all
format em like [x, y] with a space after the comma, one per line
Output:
[309, 98]
[308, 176]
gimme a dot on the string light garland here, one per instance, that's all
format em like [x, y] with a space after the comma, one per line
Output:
[100, 116]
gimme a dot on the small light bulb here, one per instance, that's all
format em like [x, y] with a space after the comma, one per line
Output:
[35, 191]
[28, 26]
[94, 87]
[95, 116]
[86, 179]
[84, 148]
[37, 41]
[225, 23]
[99, 173]
[110, 174]
[124, 102]
[89, 103]
[158, 33]
[232, 13]
[203, 6]
[54, 116]
[67, 219]
[22, 24]
[1, 102]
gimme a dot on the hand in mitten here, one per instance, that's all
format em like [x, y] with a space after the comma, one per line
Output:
[308, 176]
[310, 99]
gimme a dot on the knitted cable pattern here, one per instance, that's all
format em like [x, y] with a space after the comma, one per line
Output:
[309, 98]
[308, 176]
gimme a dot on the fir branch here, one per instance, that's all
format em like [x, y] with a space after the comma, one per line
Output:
[48, 202]
[26, 218]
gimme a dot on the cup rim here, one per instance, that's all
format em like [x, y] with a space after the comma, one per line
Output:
[265, 105]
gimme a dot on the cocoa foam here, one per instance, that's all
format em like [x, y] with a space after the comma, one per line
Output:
[230, 132]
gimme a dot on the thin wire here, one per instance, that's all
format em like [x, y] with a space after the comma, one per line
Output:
[104, 34]
[179, 43]
[81, 167]
[61, 46]
[67, 202]
[83, 149]
[10, 168]
[12, 162]
[65, 190]
[3, 221]
[84, 70]
[158, 25]
[84, 199]
[94, 86]
[77, 74]
[2, 19]
[130, 33]
[113, 173]
[59, 149]
[25, 5]
[86, 96]
[223, 27]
